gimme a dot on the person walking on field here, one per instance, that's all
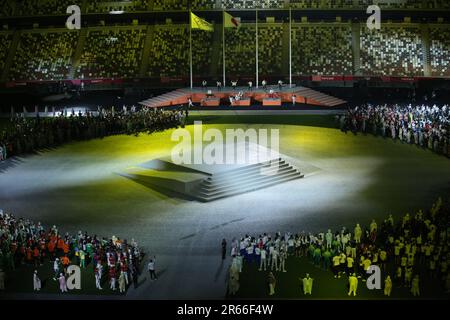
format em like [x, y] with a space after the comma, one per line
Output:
[307, 284]
[122, 283]
[263, 260]
[62, 283]
[387, 286]
[353, 283]
[2, 280]
[151, 268]
[224, 249]
[358, 233]
[36, 281]
[272, 283]
[415, 290]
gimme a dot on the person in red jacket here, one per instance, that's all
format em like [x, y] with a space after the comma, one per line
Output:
[36, 256]
[112, 278]
[29, 256]
[51, 249]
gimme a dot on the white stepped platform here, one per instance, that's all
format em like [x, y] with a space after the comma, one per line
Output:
[262, 168]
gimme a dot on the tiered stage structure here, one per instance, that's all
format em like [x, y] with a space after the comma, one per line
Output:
[212, 97]
[207, 182]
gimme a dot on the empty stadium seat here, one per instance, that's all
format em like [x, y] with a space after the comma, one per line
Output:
[112, 53]
[440, 51]
[44, 55]
[169, 55]
[392, 51]
[5, 42]
[322, 49]
[104, 6]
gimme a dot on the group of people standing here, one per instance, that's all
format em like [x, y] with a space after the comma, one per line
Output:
[427, 126]
[408, 252]
[23, 242]
[25, 134]
[234, 84]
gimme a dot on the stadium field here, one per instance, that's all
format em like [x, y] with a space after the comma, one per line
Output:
[83, 186]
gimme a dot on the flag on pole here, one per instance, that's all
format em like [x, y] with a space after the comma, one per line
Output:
[230, 21]
[199, 23]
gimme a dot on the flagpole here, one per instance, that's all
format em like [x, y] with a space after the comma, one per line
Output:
[290, 47]
[223, 48]
[257, 62]
[190, 49]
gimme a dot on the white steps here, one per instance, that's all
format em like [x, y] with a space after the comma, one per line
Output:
[245, 179]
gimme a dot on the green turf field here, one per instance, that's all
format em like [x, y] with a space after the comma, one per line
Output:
[253, 284]
[21, 281]
[326, 121]
[81, 186]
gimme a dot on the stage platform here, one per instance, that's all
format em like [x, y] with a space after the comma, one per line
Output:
[259, 168]
[255, 96]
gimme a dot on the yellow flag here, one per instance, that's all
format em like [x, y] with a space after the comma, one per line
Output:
[199, 23]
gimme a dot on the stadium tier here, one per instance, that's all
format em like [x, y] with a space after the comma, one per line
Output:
[322, 49]
[43, 55]
[397, 50]
[5, 42]
[112, 53]
[169, 51]
[52, 7]
[440, 51]
[162, 51]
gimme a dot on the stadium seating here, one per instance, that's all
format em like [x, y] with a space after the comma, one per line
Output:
[6, 8]
[5, 42]
[321, 49]
[441, 4]
[321, 4]
[169, 55]
[50, 7]
[440, 51]
[164, 5]
[317, 49]
[361, 4]
[42, 7]
[270, 39]
[44, 55]
[112, 53]
[203, 4]
[252, 4]
[240, 49]
[104, 6]
[393, 50]
[202, 43]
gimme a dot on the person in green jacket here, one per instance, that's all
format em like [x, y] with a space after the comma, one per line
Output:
[307, 284]
[387, 286]
[326, 259]
[311, 250]
[415, 290]
[317, 255]
[353, 284]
